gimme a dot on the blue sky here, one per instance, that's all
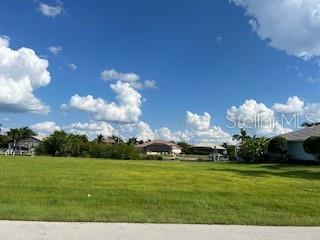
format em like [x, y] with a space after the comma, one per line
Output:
[200, 56]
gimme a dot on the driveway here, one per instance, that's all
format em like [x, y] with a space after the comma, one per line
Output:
[12, 230]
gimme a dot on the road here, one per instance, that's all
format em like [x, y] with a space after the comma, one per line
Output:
[13, 230]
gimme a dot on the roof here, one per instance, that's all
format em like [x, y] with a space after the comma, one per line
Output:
[108, 140]
[146, 144]
[303, 134]
[39, 138]
[209, 145]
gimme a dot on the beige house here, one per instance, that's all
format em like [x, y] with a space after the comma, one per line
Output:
[159, 147]
[215, 151]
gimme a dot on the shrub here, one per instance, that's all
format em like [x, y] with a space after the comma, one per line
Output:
[312, 146]
[61, 143]
[251, 150]
[279, 145]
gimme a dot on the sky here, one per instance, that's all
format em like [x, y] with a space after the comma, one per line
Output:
[193, 71]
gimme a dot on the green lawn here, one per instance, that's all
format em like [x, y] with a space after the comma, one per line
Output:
[56, 189]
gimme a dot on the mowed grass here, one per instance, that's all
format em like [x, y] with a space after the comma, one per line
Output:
[56, 189]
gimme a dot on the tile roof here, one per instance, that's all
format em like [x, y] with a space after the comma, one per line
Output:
[303, 134]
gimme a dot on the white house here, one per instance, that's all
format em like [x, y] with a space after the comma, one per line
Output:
[25, 145]
[296, 140]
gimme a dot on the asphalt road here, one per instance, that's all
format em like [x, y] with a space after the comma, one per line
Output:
[12, 230]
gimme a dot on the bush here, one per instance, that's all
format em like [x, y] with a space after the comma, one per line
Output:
[62, 144]
[312, 146]
[153, 157]
[279, 145]
[251, 150]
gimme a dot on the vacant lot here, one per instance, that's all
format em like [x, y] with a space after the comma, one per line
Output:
[62, 189]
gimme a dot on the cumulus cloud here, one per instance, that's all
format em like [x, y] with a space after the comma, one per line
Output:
[91, 129]
[294, 105]
[256, 117]
[111, 75]
[193, 133]
[55, 50]
[312, 112]
[197, 121]
[132, 78]
[45, 128]
[289, 25]
[21, 73]
[126, 110]
[51, 11]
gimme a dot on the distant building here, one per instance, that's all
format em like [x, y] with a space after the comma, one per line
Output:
[296, 140]
[214, 151]
[25, 145]
[108, 141]
[159, 147]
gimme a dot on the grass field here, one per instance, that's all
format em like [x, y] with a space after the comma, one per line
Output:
[56, 189]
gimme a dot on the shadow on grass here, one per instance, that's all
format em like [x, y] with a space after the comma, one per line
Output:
[278, 170]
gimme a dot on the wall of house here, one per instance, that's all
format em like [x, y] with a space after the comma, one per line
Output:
[28, 143]
[297, 152]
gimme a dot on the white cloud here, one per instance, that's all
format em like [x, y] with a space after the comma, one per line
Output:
[111, 75]
[198, 122]
[21, 72]
[289, 25]
[147, 84]
[55, 50]
[293, 105]
[192, 133]
[255, 117]
[126, 110]
[4, 41]
[45, 128]
[51, 11]
[312, 112]
[91, 129]
[72, 66]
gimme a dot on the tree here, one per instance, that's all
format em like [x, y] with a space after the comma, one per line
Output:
[132, 141]
[242, 137]
[252, 150]
[117, 139]
[312, 146]
[15, 134]
[185, 146]
[231, 151]
[99, 139]
[278, 145]
[55, 144]
[27, 132]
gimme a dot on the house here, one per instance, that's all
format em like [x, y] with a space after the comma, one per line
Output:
[296, 140]
[25, 145]
[159, 147]
[108, 141]
[213, 150]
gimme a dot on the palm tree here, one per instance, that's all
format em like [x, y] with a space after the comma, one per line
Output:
[99, 139]
[15, 134]
[132, 141]
[242, 137]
